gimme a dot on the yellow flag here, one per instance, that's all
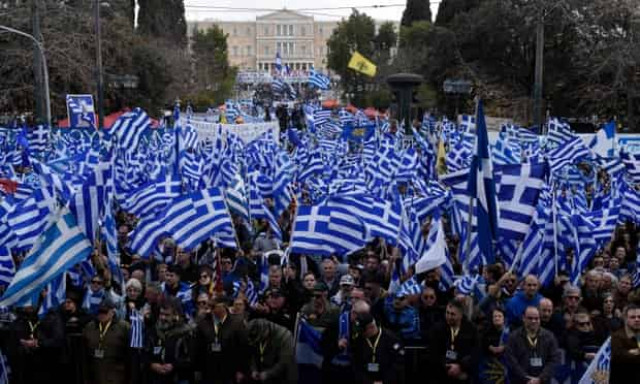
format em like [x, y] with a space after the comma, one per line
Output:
[361, 64]
[441, 166]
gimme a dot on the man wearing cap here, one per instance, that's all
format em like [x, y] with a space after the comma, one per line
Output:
[341, 299]
[320, 312]
[276, 309]
[402, 318]
[106, 346]
[378, 355]
[220, 346]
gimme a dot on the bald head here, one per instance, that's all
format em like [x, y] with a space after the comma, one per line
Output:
[531, 286]
[546, 309]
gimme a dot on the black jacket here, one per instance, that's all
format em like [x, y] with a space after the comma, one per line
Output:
[581, 343]
[389, 356]
[221, 365]
[624, 365]
[170, 347]
[519, 354]
[466, 348]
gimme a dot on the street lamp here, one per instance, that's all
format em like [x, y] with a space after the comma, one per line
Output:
[45, 71]
[99, 81]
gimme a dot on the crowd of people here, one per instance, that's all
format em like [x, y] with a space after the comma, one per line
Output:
[201, 317]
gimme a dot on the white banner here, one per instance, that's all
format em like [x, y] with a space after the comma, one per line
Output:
[246, 132]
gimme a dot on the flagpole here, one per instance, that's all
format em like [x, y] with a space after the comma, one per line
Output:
[555, 232]
[468, 239]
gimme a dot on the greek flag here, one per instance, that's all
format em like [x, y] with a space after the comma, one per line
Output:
[518, 192]
[38, 139]
[570, 151]
[7, 267]
[192, 219]
[29, 218]
[381, 218]
[559, 133]
[410, 287]
[600, 367]
[308, 345]
[278, 85]
[482, 187]
[56, 293]
[60, 247]
[323, 230]
[130, 128]
[4, 369]
[87, 204]
[81, 111]
[319, 80]
[137, 329]
[153, 197]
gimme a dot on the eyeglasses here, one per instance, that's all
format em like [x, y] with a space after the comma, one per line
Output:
[583, 323]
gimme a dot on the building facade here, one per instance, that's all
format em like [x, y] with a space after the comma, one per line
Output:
[301, 41]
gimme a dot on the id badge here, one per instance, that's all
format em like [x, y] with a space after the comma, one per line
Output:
[216, 347]
[451, 355]
[98, 353]
[535, 362]
[373, 367]
[157, 350]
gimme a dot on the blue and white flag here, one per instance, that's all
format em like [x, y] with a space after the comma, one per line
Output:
[7, 266]
[568, 153]
[600, 367]
[319, 80]
[60, 247]
[323, 230]
[603, 143]
[409, 288]
[129, 129]
[149, 199]
[482, 187]
[81, 111]
[137, 329]
[308, 345]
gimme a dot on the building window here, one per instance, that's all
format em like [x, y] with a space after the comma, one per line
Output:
[303, 31]
[248, 50]
[235, 31]
[303, 49]
[279, 30]
[235, 51]
[266, 30]
[290, 30]
[291, 52]
[320, 31]
[304, 66]
[279, 48]
[266, 50]
[248, 31]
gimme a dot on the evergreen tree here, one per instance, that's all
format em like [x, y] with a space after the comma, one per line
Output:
[416, 10]
[449, 9]
[163, 19]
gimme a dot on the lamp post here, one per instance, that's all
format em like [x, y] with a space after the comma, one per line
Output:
[99, 79]
[45, 71]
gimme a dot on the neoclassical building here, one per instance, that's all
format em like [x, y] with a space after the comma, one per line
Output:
[301, 40]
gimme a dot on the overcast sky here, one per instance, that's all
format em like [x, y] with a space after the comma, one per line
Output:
[386, 13]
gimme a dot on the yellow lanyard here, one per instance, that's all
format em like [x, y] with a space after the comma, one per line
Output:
[217, 325]
[102, 333]
[454, 334]
[33, 328]
[533, 342]
[374, 346]
[262, 347]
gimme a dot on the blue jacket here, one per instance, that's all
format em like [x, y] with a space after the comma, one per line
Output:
[517, 305]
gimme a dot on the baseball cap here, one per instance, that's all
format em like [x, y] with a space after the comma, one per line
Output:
[347, 280]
